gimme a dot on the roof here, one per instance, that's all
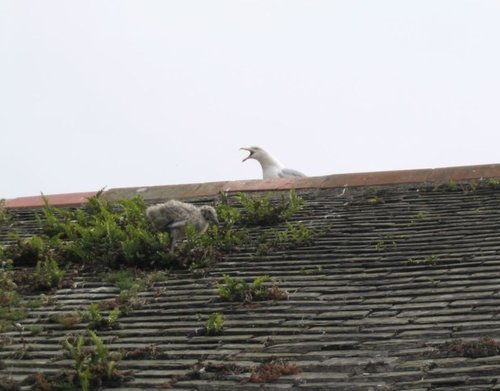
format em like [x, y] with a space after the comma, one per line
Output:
[409, 264]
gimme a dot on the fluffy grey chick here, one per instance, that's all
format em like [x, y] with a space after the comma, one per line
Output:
[271, 167]
[173, 216]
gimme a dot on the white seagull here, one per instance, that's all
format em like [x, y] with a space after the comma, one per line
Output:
[173, 216]
[271, 167]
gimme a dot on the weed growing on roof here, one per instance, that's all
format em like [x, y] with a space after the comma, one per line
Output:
[153, 277]
[200, 251]
[94, 365]
[97, 321]
[39, 301]
[67, 319]
[27, 251]
[271, 371]
[434, 282]
[116, 234]
[492, 182]
[10, 303]
[47, 275]
[131, 283]
[8, 384]
[237, 289]
[215, 324]
[124, 279]
[4, 213]
[106, 233]
[482, 347]
[307, 271]
[428, 260]
[294, 235]
[386, 243]
[207, 371]
[451, 185]
[420, 216]
[36, 330]
[260, 210]
[376, 200]
[149, 352]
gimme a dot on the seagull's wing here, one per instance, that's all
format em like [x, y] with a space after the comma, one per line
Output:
[289, 172]
[178, 211]
[177, 224]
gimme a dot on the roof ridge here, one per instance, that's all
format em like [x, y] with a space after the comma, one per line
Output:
[183, 191]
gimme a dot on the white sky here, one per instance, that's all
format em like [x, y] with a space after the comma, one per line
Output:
[135, 93]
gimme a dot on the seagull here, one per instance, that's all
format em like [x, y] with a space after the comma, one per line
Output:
[173, 216]
[271, 167]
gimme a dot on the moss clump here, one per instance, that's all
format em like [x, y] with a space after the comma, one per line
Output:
[116, 234]
[483, 347]
[260, 210]
[237, 289]
[215, 324]
[106, 233]
[271, 371]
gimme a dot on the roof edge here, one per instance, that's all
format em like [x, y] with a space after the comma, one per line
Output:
[183, 191]
[69, 199]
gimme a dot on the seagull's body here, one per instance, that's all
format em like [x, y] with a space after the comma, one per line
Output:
[271, 167]
[173, 216]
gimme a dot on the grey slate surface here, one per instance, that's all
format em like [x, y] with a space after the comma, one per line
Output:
[367, 310]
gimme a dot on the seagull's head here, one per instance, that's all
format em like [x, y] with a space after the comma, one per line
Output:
[255, 153]
[209, 214]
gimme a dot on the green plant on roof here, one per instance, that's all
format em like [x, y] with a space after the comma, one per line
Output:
[26, 251]
[271, 371]
[106, 233]
[116, 234]
[260, 210]
[237, 289]
[481, 347]
[4, 213]
[376, 200]
[124, 279]
[428, 260]
[380, 245]
[36, 330]
[47, 274]
[294, 235]
[36, 251]
[200, 251]
[215, 324]
[95, 366]
[420, 216]
[451, 185]
[227, 214]
[197, 252]
[67, 319]
[9, 384]
[233, 289]
[11, 306]
[490, 182]
[96, 321]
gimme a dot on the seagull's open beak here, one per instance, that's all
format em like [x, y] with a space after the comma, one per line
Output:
[249, 150]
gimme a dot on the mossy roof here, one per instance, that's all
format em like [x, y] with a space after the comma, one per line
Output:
[400, 270]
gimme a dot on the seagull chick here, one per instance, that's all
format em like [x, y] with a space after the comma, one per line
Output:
[173, 216]
[271, 167]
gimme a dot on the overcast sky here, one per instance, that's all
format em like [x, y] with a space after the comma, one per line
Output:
[137, 93]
